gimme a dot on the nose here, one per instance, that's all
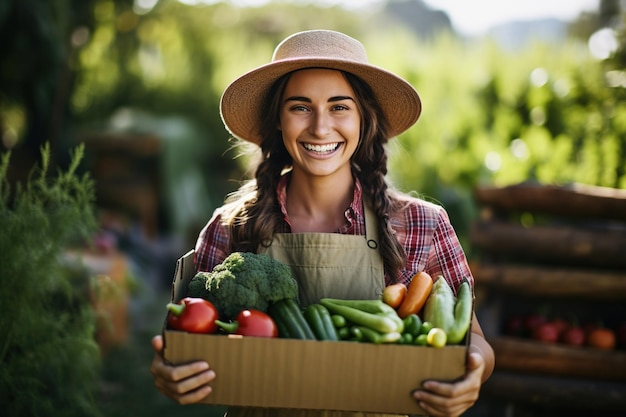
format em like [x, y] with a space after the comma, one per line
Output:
[320, 125]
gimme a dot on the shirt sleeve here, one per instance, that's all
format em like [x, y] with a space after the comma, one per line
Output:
[446, 256]
[212, 246]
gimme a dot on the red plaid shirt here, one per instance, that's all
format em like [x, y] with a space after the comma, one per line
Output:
[423, 228]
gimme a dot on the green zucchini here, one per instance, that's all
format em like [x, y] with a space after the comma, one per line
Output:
[462, 314]
[289, 314]
[318, 318]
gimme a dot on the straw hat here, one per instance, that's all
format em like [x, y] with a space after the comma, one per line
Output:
[240, 106]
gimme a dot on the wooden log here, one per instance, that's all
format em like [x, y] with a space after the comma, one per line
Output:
[528, 356]
[555, 392]
[574, 200]
[552, 281]
[553, 244]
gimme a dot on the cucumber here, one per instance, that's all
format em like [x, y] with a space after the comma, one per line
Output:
[288, 313]
[318, 317]
[462, 314]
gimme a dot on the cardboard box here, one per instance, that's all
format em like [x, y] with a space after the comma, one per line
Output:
[306, 374]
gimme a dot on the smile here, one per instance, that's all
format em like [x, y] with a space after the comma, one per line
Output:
[323, 149]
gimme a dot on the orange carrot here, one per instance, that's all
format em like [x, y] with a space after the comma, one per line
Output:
[417, 293]
[394, 294]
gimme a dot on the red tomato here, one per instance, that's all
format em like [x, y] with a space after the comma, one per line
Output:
[602, 338]
[531, 321]
[251, 323]
[193, 315]
[560, 324]
[546, 332]
[573, 335]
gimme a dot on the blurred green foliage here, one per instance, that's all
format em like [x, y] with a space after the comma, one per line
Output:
[547, 113]
[50, 362]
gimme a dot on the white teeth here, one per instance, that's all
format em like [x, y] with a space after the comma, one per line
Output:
[321, 148]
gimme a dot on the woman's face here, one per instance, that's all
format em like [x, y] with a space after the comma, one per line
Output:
[320, 121]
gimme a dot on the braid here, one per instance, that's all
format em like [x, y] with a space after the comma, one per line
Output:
[370, 165]
[375, 186]
[255, 216]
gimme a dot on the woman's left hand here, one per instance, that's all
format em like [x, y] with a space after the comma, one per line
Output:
[440, 399]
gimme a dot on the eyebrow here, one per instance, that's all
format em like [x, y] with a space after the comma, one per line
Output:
[308, 100]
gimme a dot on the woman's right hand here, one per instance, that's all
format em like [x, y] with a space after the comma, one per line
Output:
[185, 384]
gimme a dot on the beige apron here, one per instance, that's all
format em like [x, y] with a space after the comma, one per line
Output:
[327, 265]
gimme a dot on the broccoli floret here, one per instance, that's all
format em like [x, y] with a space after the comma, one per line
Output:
[197, 285]
[244, 280]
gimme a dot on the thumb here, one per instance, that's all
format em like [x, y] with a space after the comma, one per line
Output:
[474, 361]
[157, 343]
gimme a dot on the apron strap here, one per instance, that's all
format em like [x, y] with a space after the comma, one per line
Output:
[371, 226]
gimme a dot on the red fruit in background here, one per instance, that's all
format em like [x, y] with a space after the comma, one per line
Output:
[573, 335]
[602, 338]
[533, 320]
[546, 332]
[560, 324]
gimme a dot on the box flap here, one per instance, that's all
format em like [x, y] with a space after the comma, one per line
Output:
[185, 271]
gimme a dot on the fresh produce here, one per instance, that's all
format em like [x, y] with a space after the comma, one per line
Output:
[375, 337]
[601, 338]
[449, 313]
[436, 337]
[462, 314]
[290, 320]
[373, 314]
[412, 325]
[394, 294]
[194, 315]
[250, 323]
[244, 280]
[338, 321]
[574, 335]
[421, 340]
[418, 292]
[546, 332]
[318, 317]
[439, 308]
[533, 320]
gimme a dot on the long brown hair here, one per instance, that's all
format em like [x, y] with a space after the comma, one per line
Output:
[252, 212]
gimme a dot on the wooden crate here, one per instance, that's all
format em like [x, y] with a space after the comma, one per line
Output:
[563, 247]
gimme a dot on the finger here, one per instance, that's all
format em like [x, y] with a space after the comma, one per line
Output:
[475, 361]
[195, 396]
[188, 390]
[450, 411]
[157, 343]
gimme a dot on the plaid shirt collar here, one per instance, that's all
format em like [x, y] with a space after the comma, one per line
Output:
[355, 220]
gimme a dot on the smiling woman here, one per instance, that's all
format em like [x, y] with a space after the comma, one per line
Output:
[320, 203]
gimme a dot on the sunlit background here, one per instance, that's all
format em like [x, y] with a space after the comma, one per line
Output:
[514, 92]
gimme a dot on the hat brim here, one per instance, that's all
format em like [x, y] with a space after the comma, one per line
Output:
[242, 100]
